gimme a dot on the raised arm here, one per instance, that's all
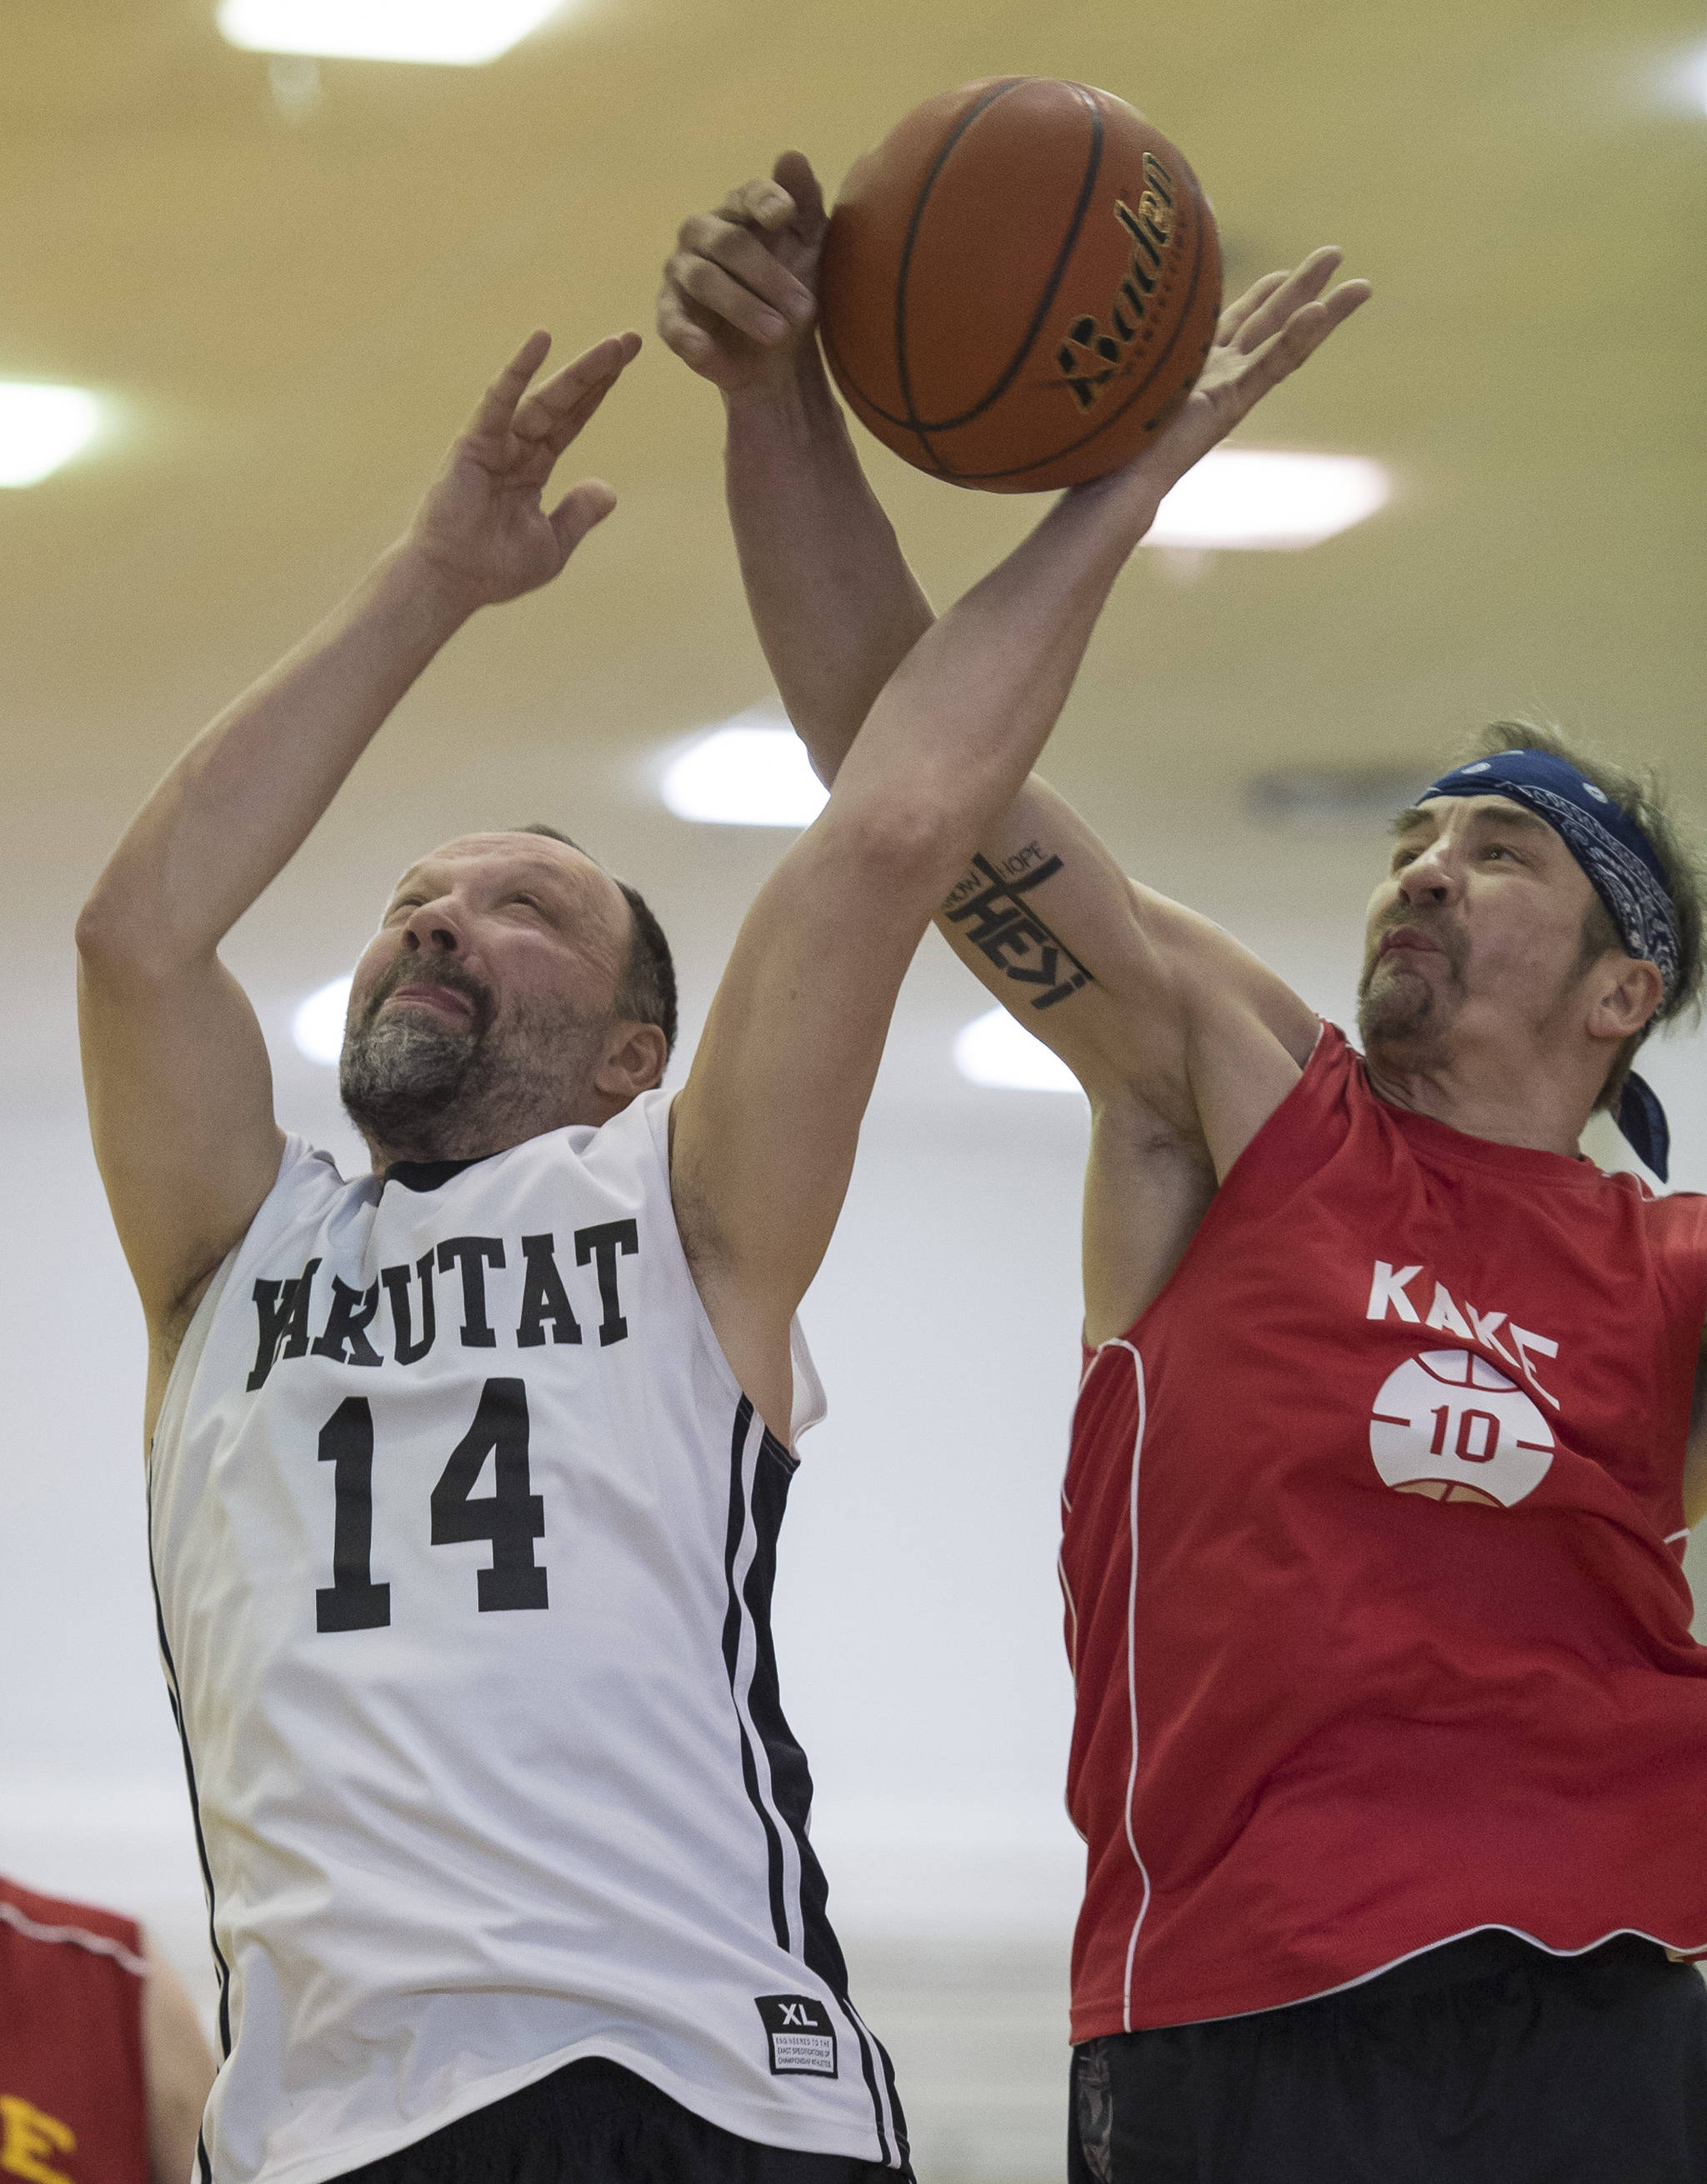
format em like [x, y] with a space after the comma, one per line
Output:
[1180, 1035]
[765, 1127]
[179, 1088]
[837, 609]
[833, 601]
[835, 606]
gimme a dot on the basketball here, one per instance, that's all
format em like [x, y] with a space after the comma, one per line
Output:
[1019, 285]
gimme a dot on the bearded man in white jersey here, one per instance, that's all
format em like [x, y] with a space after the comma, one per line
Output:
[504, 1831]
[1390, 1742]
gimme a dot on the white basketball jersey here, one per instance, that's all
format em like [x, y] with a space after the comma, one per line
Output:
[463, 1536]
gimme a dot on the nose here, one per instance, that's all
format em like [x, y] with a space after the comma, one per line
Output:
[1431, 876]
[432, 929]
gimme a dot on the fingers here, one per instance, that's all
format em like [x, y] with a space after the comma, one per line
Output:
[725, 266]
[580, 509]
[685, 328]
[1242, 308]
[733, 283]
[558, 408]
[1304, 332]
[760, 203]
[498, 405]
[1350, 296]
[726, 275]
[793, 172]
[1272, 310]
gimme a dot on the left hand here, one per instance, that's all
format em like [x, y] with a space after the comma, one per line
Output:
[740, 287]
[1260, 340]
[484, 528]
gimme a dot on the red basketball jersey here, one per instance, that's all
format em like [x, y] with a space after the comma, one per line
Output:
[1372, 1540]
[72, 2104]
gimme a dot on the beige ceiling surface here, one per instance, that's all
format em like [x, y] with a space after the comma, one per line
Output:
[290, 317]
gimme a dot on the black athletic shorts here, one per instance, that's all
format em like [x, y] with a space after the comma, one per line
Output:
[1486, 2061]
[593, 2122]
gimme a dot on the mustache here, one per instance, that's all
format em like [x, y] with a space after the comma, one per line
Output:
[409, 971]
[1435, 927]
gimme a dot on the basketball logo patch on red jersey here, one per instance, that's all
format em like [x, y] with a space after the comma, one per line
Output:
[1448, 1424]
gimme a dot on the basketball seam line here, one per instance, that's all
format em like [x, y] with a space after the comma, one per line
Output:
[1045, 303]
[1059, 454]
[977, 477]
[910, 420]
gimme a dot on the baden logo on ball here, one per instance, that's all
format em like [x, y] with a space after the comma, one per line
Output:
[1020, 285]
[1089, 358]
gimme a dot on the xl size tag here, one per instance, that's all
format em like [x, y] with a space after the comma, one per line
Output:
[802, 2039]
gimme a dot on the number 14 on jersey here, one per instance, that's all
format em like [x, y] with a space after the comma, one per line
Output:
[512, 1517]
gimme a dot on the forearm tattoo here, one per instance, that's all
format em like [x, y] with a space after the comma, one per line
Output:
[988, 907]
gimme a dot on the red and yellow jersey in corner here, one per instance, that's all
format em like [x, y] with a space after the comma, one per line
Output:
[73, 2103]
[1372, 1551]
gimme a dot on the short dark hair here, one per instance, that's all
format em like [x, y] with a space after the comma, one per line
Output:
[646, 991]
[1645, 798]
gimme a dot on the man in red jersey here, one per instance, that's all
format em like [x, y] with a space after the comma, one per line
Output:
[1390, 1752]
[103, 2069]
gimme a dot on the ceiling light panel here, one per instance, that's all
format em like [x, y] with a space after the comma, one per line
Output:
[1685, 83]
[746, 773]
[41, 428]
[317, 1026]
[1260, 498]
[1334, 795]
[452, 33]
[996, 1050]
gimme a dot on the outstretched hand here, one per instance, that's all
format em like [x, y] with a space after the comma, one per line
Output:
[1260, 340]
[484, 526]
[740, 287]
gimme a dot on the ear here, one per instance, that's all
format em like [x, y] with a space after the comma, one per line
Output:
[634, 1059]
[1625, 994]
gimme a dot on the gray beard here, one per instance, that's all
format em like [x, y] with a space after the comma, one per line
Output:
[422, 1091]
[1406, 1019]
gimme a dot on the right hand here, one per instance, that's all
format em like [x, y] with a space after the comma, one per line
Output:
[1262, 338]
[484, 528]
[740, 288]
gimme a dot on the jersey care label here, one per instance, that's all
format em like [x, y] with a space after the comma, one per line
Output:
[802, 2039]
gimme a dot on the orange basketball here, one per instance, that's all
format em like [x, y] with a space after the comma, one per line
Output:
[1020, 285]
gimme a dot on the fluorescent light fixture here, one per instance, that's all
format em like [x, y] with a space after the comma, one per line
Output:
[317, 1026]
[42, 427]
[457, 33]
[1260, 498]
[747, 773]
[294, 80]
[995, 1049]
[1679, 80]
[1334, 795]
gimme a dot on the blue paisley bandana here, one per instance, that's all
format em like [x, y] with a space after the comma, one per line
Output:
[1622, 867]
